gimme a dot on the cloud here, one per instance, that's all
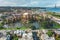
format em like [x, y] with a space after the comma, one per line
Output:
[58, 3]
[31, 3]
[50, 5]
[35, 2]
[23, 5]
[6, 3]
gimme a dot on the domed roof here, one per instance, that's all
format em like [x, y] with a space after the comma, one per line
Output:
[25, 14]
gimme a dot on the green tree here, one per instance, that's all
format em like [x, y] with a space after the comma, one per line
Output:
[15, 37]
[50, 33]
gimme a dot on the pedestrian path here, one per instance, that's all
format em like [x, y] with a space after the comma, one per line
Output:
[3, 38]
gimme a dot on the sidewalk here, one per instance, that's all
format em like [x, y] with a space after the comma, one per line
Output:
[3, 38]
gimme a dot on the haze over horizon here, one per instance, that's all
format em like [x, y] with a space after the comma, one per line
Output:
[30, 3]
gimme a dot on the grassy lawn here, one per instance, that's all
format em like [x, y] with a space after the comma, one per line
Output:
[58, 16]
[42, 26]
[56, 25]
[21, 28]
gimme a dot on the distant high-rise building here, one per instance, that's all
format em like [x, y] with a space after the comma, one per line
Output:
[55, 5]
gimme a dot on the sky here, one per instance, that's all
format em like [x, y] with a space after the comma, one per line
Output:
[30, 3]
